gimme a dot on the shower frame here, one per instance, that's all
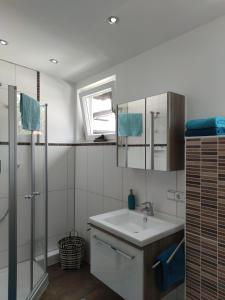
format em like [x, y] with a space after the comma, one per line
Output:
[35, 291]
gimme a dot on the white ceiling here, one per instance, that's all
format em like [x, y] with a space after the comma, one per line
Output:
[76, 33]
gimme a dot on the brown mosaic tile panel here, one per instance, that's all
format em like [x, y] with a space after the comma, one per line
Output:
[221, 218]
[204, 169]
[192, 218]
[221, 271]
[193, 154]
[221, 221]
[209, 176]
[208, 269]
[192, 267]
[221, 190]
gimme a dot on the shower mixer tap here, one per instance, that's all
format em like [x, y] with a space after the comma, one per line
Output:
[32, 195]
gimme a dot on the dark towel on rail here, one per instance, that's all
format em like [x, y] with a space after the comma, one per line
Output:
[168, 275]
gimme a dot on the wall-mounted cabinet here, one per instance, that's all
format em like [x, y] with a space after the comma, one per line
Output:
[150, 133]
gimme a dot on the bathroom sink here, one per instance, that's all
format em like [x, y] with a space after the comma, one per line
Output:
[136, 227]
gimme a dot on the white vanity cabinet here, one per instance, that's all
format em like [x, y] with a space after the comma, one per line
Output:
[118, 264]
[124, 248]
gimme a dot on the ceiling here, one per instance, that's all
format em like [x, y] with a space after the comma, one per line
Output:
[76, 33]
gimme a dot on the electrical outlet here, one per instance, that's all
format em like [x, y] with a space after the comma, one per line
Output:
[179, 196]
[175, 195]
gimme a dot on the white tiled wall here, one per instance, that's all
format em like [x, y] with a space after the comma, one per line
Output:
[61, 192]
[113, 184]
[101, 186]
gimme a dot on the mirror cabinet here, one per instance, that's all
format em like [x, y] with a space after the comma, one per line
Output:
[150, 133]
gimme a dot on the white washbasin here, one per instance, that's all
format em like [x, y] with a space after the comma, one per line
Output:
[134, 227]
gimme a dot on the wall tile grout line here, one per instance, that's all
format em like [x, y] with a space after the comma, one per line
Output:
[67, 185]
[61, 144]
[86, 153]
[103, 194]
[74, 184]
[75, 176]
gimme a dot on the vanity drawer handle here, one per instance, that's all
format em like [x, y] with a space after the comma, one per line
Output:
[124, 254]
[127, 256]
[102, 242]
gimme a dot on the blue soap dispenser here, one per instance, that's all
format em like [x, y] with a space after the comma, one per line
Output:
[131, 200]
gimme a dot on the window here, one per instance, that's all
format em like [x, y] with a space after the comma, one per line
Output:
[97, 110]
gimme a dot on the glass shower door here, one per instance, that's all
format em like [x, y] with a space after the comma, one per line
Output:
[4, 203]
[23, 213]
[40, 199]
[32, 217]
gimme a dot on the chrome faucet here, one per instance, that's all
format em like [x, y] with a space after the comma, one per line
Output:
[148, 208]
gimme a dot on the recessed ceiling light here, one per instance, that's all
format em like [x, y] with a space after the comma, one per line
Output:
[54, 61]
[3, 42]
[112, 20]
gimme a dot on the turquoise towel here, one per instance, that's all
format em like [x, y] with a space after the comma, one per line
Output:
[205, 132]
[206, 123]
[30, 113]
[130, 124]
[168, 275]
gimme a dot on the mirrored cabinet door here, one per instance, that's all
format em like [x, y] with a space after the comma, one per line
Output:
[131, 134]
[156, 132]
[165, 120]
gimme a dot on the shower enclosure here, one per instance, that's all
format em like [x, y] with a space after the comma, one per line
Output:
[23, 202]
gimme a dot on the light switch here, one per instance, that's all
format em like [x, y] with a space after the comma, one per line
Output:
[171, 195]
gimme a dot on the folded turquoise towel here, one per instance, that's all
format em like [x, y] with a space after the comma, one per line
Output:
[206, 123]
[205, 132]
[168, 275]
[30, 113]
[130, 124]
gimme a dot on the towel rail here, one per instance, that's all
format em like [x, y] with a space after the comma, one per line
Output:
[171, 256]
[175, 251]
[18, 92]
[156, 265]
[118, 251]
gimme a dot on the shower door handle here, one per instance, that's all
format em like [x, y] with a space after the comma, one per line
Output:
[28, 197]
[152, 130]
[35, 193]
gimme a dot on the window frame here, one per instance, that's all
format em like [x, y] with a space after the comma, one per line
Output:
[84, 109]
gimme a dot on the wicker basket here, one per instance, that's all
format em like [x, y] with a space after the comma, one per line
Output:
[71, 252]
